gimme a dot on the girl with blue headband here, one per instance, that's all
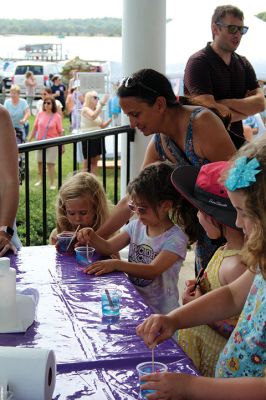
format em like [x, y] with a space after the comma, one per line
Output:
[244, 355]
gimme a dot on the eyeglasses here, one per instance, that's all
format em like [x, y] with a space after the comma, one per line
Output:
[96, 97]
[131, 82]
[47, 102]
[232, 29]
[134, 208]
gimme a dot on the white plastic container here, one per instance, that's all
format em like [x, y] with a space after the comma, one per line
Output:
[8, 312]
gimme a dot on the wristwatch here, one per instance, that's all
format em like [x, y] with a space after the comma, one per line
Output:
[7, 229]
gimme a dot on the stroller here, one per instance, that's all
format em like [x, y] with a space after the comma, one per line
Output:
[20, 137]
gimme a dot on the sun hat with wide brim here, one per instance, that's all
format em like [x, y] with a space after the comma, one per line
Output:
[202, 187]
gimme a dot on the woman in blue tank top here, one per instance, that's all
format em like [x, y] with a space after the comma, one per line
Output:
[182, 133]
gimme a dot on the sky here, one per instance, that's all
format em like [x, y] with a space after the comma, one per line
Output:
[50, 9]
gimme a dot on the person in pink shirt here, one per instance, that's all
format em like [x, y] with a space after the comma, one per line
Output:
[47, 125]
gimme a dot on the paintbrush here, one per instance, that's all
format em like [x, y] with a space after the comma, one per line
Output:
[111, 304]
[73, 237]
[199, 276]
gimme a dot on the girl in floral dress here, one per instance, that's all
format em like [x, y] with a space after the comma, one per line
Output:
[241, 368]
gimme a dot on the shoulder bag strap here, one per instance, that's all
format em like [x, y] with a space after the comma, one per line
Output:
[47, 127]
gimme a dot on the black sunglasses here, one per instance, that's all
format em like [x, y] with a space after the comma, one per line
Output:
[47, 102]
[232, 29]
[131, 82]
[96, 97]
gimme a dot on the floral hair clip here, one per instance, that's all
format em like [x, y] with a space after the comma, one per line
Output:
[242, 174]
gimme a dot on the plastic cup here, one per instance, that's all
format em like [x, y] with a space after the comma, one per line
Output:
[111, 298]
[84, 255]
[148, 368]
[63, 241]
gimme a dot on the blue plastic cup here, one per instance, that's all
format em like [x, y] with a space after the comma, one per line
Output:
[64, 244]
[84, 255]
[148, 368]
[111, 298]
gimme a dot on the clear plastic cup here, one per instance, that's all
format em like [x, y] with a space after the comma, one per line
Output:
[84, 255]
[64, 243]
[111, 299]
[148, 368]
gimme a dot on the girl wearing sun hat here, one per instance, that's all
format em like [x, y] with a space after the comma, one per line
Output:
[202, 187]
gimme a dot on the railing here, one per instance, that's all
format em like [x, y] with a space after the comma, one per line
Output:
[26, 148]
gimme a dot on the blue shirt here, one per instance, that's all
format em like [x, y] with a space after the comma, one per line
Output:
[16, 112]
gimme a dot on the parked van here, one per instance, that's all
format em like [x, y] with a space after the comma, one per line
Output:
[41, 71]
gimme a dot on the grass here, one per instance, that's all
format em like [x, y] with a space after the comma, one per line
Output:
[36, 213]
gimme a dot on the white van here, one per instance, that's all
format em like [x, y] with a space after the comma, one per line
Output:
[41, 71]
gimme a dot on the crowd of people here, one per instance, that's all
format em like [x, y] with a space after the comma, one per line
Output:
[199, 184]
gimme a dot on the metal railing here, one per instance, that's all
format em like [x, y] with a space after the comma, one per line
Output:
[27, 148]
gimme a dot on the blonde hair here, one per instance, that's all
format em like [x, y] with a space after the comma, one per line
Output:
[254, 250]
[82, 184]
[88, 101]
[15, 88]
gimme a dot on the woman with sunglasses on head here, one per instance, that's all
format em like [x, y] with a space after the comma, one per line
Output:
[47, 125]
[184, 134]
[90, 121]
[157, 247]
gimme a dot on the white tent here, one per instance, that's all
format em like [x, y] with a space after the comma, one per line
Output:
[186, 35]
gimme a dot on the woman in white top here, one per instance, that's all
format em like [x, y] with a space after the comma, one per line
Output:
[91, 121]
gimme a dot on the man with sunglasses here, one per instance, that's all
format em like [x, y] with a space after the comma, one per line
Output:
[221, 78]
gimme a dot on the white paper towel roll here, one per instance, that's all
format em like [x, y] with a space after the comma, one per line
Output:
[30, 373]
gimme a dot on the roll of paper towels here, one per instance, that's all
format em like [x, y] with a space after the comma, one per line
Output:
[30, 373]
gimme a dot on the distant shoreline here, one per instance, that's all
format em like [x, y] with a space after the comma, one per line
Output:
[108, 27]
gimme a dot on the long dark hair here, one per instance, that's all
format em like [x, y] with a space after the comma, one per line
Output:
[148, 84]
[154, 185]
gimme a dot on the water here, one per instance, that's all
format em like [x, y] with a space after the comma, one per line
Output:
[63, 241]
[107, 309]
[147, 368]
[84, 256]
[87, 48]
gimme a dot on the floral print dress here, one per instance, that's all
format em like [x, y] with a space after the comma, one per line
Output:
[245, 351]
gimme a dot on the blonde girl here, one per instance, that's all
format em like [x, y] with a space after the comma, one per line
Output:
[241, 368]
[81, 201]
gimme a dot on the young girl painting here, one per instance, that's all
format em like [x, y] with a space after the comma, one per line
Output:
[157, 247]
[202, 187]
[81, 202]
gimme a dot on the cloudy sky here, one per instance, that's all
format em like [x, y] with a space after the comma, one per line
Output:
[50, 9]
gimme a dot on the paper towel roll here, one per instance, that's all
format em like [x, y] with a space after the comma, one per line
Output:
[25, 308]
[30, 372]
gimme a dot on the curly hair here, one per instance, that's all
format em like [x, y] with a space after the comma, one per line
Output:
[154, 185]
[254, 253]
[82, 184]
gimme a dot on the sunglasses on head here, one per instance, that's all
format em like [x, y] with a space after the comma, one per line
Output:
[134, 208]
[232, 29]
[132, 81]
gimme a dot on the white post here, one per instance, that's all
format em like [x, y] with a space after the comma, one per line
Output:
[143, 46]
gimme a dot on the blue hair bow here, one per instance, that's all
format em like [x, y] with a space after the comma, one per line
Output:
[242, 174]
